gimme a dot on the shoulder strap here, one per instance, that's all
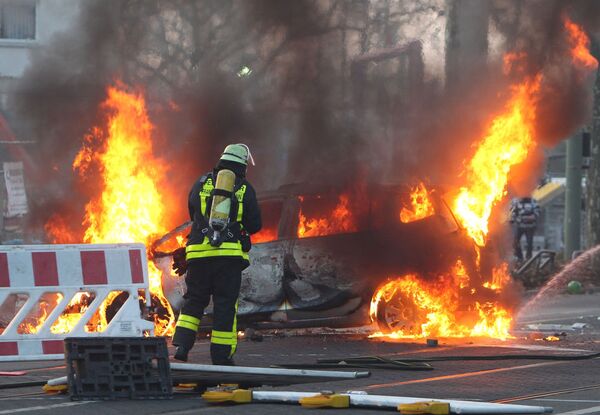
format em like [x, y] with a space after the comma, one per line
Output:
[205, 194]
[238, 183]
[204, 178]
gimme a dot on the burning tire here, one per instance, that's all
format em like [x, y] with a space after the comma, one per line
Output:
[398, 314]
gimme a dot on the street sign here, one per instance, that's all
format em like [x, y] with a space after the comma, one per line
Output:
[15, 189]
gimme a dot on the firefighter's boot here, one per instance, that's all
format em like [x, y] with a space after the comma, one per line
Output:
[181, 354]
[183, 340]
[185, 336]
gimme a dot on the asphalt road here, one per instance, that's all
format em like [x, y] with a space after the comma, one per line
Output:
[570, 387]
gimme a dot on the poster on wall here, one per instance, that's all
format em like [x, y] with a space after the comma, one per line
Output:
[15, 189]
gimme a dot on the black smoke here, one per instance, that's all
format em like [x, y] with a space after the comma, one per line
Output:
[309, 112]
[538, 31]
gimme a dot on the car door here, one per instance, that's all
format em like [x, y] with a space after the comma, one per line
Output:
[318, 271]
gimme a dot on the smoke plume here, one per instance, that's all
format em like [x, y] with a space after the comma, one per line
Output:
[300, 82]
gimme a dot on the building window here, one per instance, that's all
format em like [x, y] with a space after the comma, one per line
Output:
[17, 19]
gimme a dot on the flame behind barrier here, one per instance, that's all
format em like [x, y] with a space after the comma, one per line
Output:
[131, 206]
[130, 203]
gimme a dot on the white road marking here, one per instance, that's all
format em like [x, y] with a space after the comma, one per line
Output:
[567, 400]
[462, 375]
[592, 410]
[43, 408]
[194, 411]
[552, 320]
[45, 398]
[536, 347]
[463, 399]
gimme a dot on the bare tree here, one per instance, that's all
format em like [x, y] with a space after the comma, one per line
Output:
[290, 63]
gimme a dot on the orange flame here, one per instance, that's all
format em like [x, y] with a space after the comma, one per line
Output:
[171, 244]
[461, 277]
[580, 45]
[500, 278]
[99, 321]
[431, 308]
[131, 206]
[434, 307]
[422, 206]
[265, 235]
[494, 321]
[508, 141]
[341, 220]
[58, 230]
[33, 323]
[72, 313]
[69, 317]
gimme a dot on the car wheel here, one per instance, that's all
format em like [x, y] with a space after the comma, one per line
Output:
[400, 314]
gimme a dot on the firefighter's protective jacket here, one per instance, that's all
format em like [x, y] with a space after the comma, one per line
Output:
[244, 217]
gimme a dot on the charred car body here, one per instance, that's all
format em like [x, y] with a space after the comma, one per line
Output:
[309, 267]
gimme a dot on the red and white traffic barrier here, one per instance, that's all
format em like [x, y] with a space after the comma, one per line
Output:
[33, 271]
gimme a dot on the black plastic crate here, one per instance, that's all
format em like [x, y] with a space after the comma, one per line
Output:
[118, 367]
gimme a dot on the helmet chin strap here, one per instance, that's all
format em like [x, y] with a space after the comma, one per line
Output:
[249, 153]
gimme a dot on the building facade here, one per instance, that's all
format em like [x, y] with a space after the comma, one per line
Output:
[25, 25]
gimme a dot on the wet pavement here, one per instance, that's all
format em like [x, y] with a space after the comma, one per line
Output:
[570, 387]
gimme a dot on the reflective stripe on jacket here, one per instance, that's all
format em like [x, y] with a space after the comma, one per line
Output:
[228, 249]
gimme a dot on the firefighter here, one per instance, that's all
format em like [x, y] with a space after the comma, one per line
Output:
[524, 215]
[216, 269]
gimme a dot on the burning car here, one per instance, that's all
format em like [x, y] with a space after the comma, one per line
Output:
[323, 253]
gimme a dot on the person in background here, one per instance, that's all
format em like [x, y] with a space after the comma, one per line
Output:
[524, 215]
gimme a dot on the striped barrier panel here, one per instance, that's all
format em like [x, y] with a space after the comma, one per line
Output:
[39, 285]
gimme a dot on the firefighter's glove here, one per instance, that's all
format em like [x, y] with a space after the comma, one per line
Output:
[245, 241]
[179, 262]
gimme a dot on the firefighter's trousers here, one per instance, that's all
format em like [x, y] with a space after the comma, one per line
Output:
[219, 277]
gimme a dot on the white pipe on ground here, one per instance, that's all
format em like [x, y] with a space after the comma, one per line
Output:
[249, 370]
[57, 381]
[268, 371]
[383, 401]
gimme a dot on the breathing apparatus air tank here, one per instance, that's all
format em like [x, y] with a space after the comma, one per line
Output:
[221, 205]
